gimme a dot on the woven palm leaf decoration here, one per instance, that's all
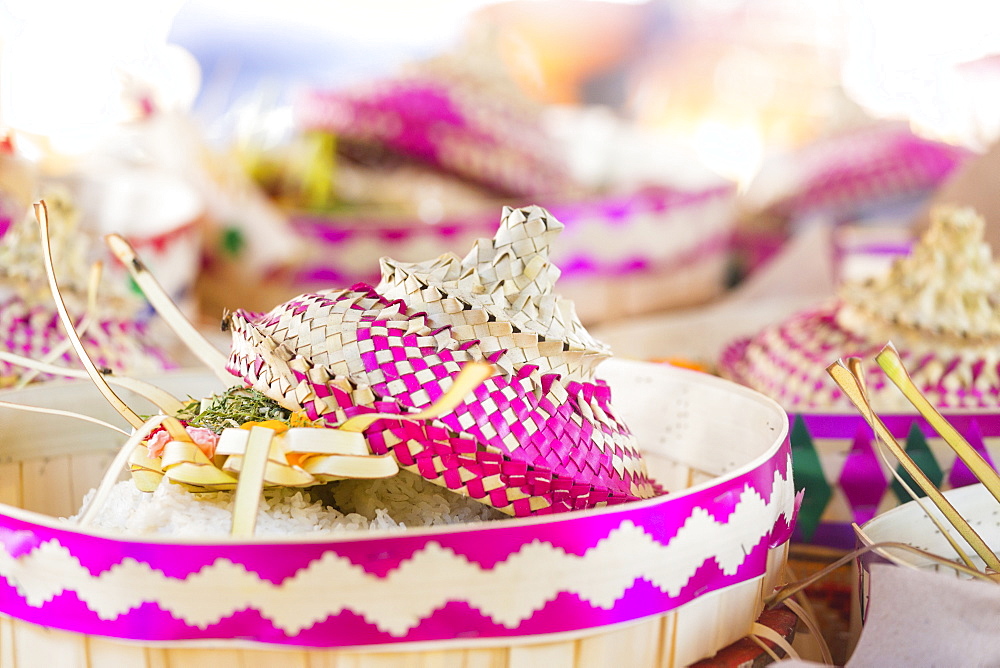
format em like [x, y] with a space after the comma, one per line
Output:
[538, 436]
[112, 327]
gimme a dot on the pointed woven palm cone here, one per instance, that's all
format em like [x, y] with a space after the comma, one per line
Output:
[854, 390]
[891, 363]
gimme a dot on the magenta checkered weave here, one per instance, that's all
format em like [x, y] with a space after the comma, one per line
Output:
[34, 331]
[529, 439]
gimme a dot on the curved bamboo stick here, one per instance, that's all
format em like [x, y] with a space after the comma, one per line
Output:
[208, 354]
[62, 413]
[852, 388]
[160, 398]
[892, 364]
[65, 346]
[42, 215]
[854, 366]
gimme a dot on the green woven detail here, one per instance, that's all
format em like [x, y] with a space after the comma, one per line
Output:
[920, 453]
[808, 475]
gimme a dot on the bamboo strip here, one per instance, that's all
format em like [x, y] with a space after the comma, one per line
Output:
[707, 618]
[486, 657]
[156, 657]
[46, 486]
[668, 640]
[543, 655]
[634, 645]
[10, 484]
[160, 398]
[7, 642]
[441, 659]
[103, 652]
[248, 658]
[246, 500]
[36, 646]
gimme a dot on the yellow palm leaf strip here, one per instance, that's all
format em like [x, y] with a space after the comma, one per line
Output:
[855, 367]
[246, 500]
[209, 355]
[117, 464]
[891, 363]
[335, 467]
[183, 462]
[176, 430]
[147, 471]
[160, 398]
[468, 379]
[851, 387]
[95, 375]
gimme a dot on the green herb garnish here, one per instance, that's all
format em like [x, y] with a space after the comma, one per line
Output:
[231, 409]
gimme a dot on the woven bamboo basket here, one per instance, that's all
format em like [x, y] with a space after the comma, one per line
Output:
[660, 582]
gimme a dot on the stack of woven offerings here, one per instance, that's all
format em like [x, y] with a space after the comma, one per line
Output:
[938, 306]
[415, 163]
[108, 315]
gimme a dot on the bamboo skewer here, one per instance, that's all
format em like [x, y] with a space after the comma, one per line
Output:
[157, 296]
[855, 367]
[62, 413]
[851, 385]
[891, 363]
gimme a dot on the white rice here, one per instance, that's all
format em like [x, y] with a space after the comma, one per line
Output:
[404, 500]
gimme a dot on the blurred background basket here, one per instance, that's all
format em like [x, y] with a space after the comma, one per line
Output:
[844, 479]
[629, 254]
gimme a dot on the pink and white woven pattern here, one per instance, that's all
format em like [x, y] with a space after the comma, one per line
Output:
[539, 436]
[937, 305]
[493, 138]
[124, 346]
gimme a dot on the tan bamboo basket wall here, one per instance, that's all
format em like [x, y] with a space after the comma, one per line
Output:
[47, 464]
